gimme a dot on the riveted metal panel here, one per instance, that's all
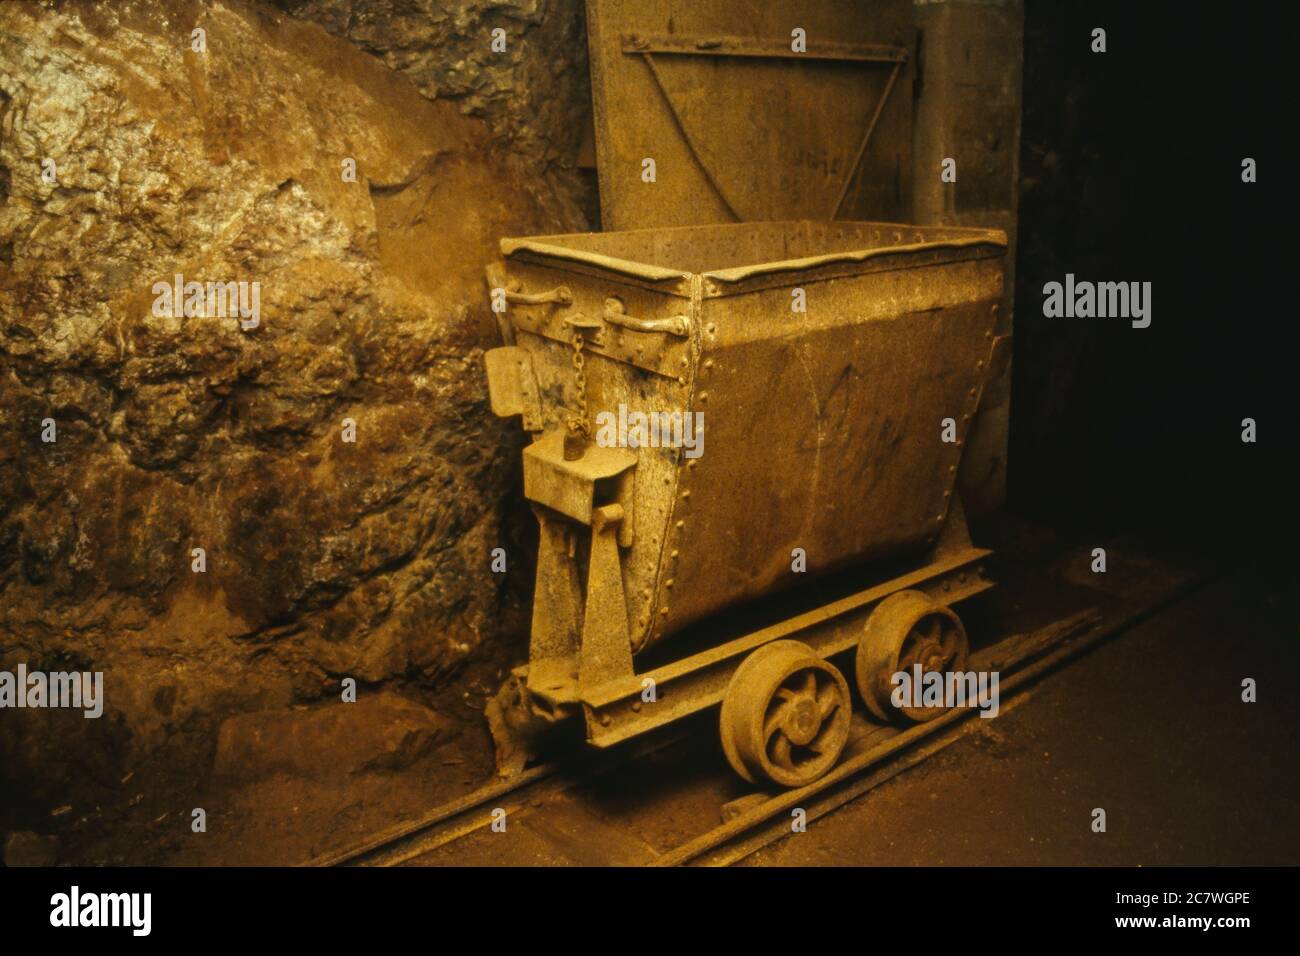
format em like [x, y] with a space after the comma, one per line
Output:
[822, 428]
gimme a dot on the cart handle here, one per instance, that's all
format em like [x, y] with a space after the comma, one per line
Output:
[614, 314]
[560, 295]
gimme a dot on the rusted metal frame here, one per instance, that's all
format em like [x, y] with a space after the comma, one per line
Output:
[592, 265]
[606, 651]
[555, 327]
[614, 712]
[954, 536]
[512, 385]
[667, 558]
[686, 137]
[530, 250]
[654, 278]
[866, 138]
[600, 345]
[776, 275]
[557, 611]
[755, 47]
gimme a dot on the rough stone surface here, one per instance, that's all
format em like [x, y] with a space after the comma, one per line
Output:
[327, 741]
[535, 94]
[324, 559]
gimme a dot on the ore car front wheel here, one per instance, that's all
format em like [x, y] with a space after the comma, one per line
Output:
[905, 630]
[785, 716]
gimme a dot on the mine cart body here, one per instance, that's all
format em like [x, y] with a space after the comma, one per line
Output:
[822, 428]
[821, 378]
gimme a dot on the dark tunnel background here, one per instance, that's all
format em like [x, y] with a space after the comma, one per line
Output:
[1131, 171]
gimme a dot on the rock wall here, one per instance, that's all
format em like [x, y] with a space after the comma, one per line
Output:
[533, 89]
[323, 558]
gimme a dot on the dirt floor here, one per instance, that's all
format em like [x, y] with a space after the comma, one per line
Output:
[1150, 726]
[285, 820]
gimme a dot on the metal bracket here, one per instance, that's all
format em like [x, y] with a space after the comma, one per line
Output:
[569, 486]
[512, 387]
[557, 604]
[606, 653]
[577, 320]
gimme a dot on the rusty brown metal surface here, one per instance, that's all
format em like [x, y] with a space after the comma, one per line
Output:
[686, 83]
[821, 428]
[616, 712]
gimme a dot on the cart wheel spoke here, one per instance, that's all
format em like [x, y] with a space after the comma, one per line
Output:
[780, 751]
[776, 717]
[823, 740]
[828, 704]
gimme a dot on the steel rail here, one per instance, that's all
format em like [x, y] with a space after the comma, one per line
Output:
[1031, 655]
[856, 765]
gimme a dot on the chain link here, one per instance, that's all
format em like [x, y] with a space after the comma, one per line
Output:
[578, 425]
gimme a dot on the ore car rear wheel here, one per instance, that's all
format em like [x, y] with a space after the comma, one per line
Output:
[785, 716]
[906, 629]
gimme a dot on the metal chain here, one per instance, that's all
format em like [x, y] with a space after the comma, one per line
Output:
[579, 424]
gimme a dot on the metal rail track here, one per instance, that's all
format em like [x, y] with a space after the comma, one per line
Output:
[471, 812]
[440, 826]
[758, 820]
[868, 768]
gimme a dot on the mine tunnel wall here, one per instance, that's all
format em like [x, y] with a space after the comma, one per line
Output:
[200, 528]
